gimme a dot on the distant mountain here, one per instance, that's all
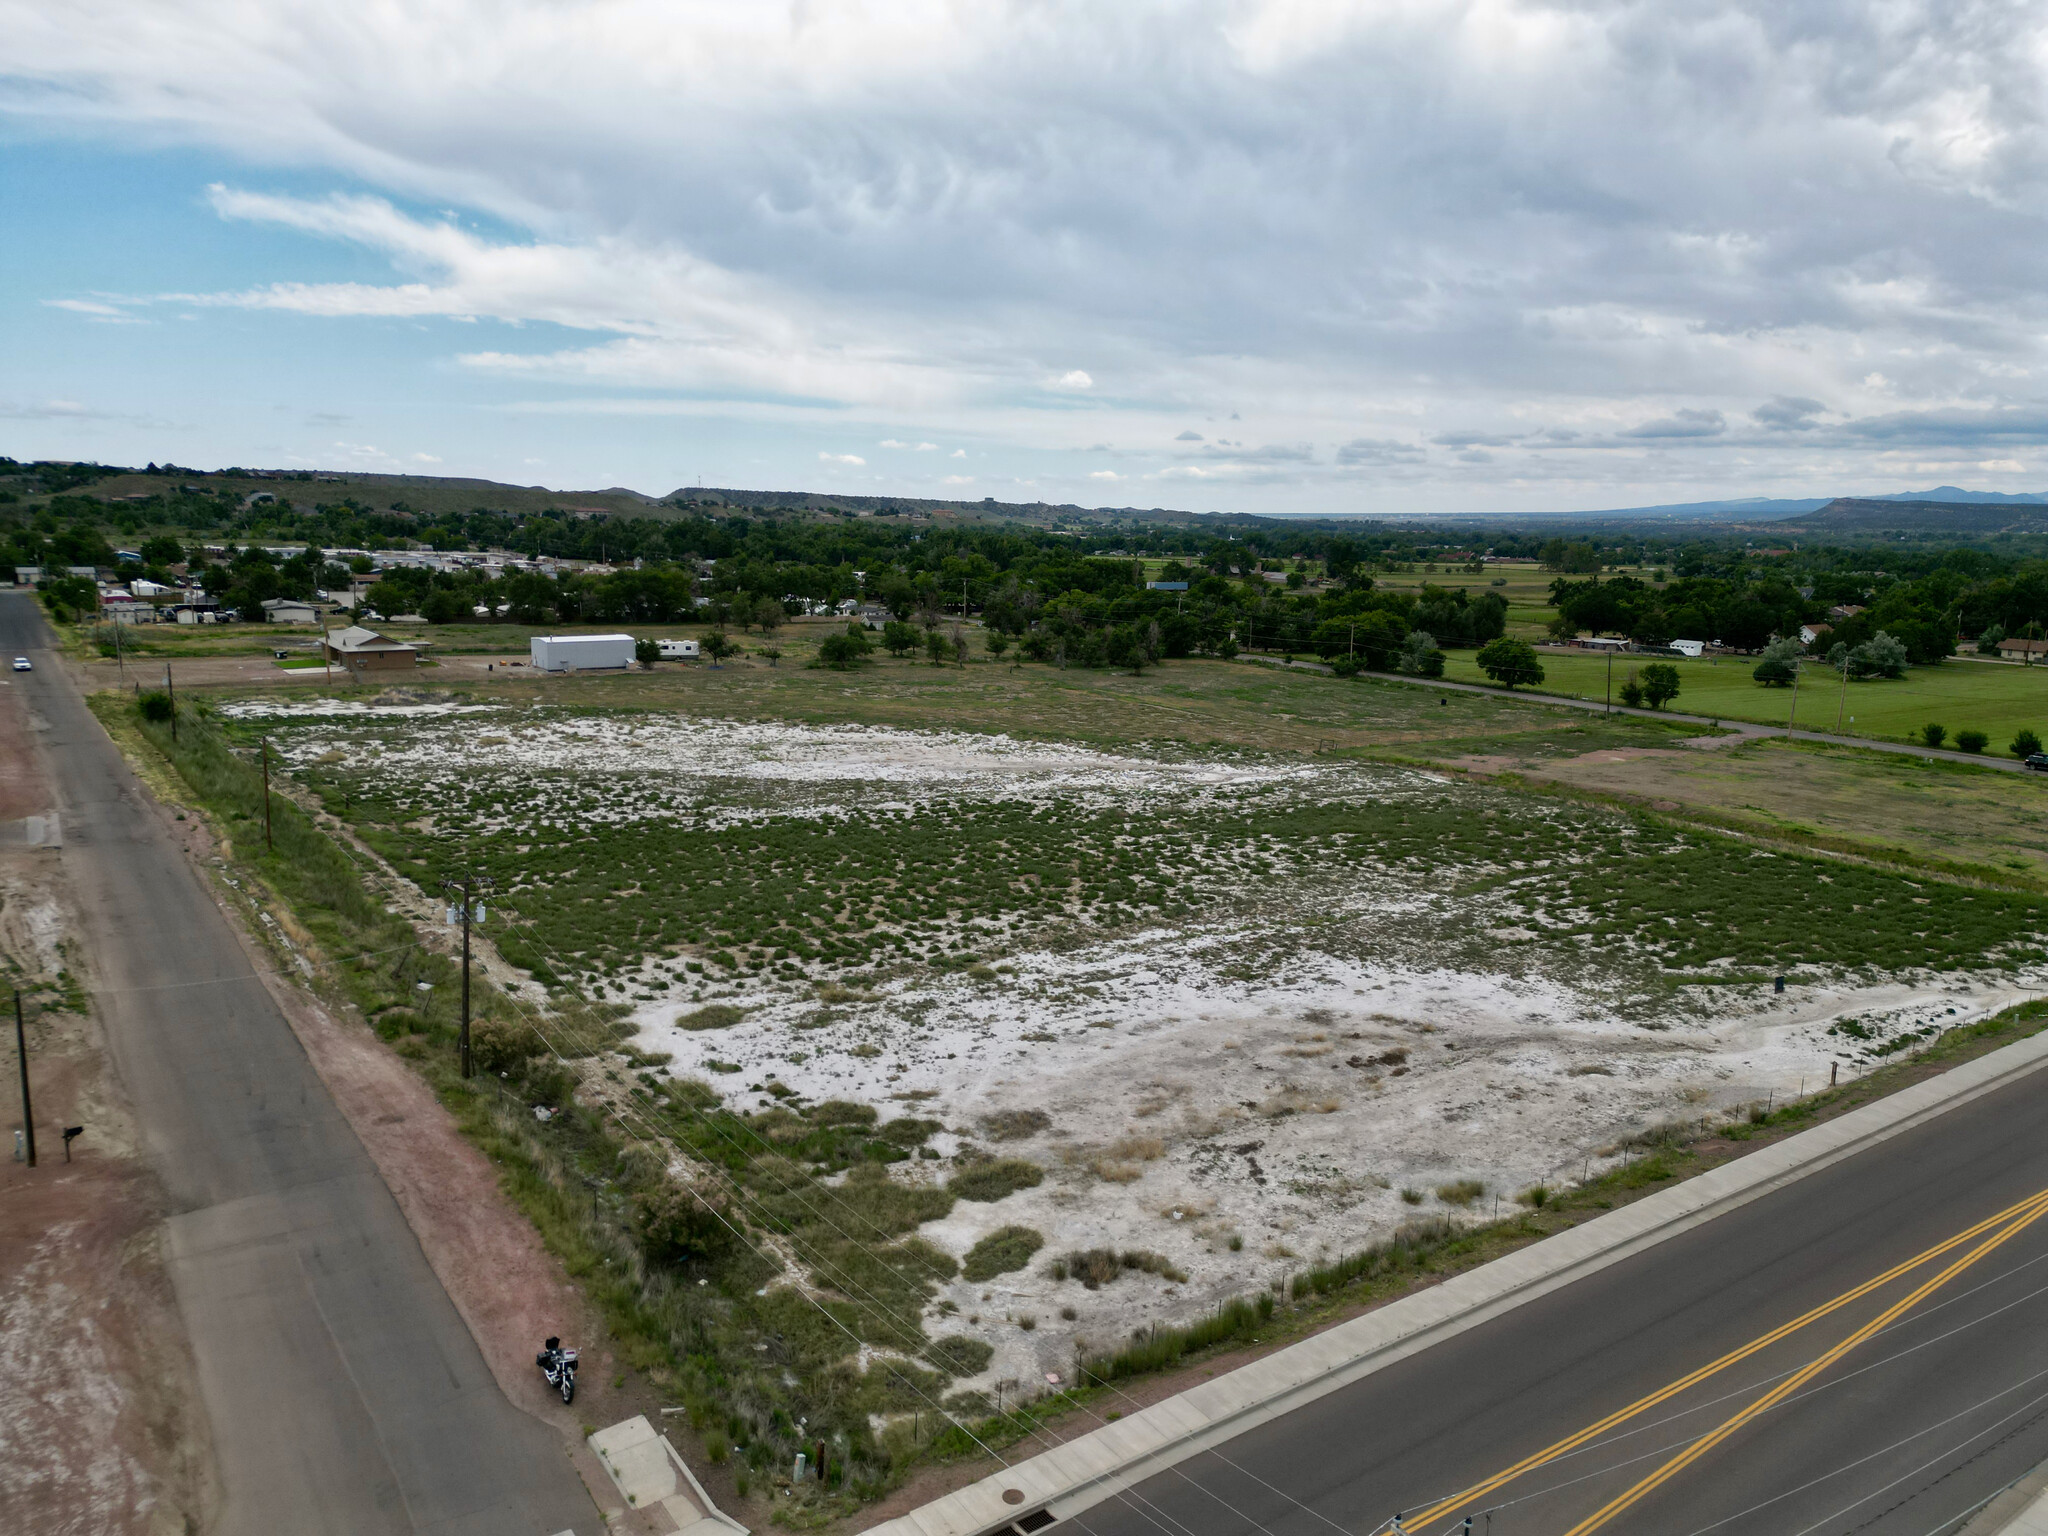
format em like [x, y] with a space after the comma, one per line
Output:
[1950, 493]
[1921, 515]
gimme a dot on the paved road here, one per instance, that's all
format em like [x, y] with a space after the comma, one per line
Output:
[1915, 1427]
[346, 1395]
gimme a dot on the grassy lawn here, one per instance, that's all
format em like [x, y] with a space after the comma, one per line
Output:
[1996, 699]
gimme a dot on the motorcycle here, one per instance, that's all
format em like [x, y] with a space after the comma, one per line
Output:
[558, 1365]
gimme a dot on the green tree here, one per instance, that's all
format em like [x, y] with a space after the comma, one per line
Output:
[1510, 663]
[718, 645]
[937, 647]
[1419, 655]
[676, 1225]
[1776, 671]
[647, 653]
[1971, 741]
[769, 653]
[2024, 743]
[1632, 691]
[899, 638]
[842, 653]
[1932, 735]
[1660, 684]
[996, 641]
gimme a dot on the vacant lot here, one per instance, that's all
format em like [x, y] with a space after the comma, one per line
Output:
[1155, 963]
[1997, 698]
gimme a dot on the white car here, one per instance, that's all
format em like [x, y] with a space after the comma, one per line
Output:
[21, 664]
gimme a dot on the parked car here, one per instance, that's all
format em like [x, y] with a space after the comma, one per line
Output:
[22, 664]
[2038, 762]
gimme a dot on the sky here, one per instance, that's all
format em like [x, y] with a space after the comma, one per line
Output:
[1274, 256]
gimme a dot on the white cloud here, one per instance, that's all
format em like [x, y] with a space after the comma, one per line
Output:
[1631, 223]
[959, 453]
[841, 458]
[958, 480]
[1104, 474]
[927, 447]
[890, 442]
[426, 458]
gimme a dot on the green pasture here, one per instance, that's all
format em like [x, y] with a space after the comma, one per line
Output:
[1994, 697]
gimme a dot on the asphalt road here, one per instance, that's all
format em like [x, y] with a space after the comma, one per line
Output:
[1932, 1415]
[345, 1393]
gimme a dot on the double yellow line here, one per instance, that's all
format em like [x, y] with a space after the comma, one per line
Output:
[2007, 1224]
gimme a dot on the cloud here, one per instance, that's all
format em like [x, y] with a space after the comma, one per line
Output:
[426, 458]
[958, 453]
[1472, 440]
[890, 442]
[1189, 437]
[957, 480]
[1379, 450]
[841, 458]
[1622, 221]
[1104, 474]
[1788, 413]
[1685, 422]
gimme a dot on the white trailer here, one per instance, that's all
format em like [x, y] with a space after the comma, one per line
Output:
[678, 650]
[580, 653]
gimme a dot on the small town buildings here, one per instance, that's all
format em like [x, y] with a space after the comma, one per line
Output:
[1808, 633]
[289, 610]
[2023, 650]
[1689, 647]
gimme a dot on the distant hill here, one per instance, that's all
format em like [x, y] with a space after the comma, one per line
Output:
[1875, 515]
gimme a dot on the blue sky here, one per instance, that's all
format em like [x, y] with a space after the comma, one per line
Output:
[1258, 255]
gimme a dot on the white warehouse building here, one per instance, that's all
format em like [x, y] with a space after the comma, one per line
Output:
[580, 653]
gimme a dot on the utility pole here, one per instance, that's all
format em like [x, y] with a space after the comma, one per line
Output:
[468, 887]
[1610, 680]
[268, 846]
[171, 689]
[28, 1118]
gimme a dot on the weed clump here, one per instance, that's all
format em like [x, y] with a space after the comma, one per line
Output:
[711, 1016]
[995, 1179]
[1001, 1252]
[1096, 1267]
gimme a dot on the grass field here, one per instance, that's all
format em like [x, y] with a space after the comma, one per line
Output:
[1992, 697]
[1923, 809]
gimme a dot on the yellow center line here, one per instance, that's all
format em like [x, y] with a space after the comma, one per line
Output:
[1799, 1378]
[2036, 1203]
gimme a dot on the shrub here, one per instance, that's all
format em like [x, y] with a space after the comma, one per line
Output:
[1510, 662]
[676, 1225]
[1460, 1191]
[1971, 741]
[647, 653]
[1096, 1267]
[1632, 692]
[155, 705]
[993, 1180]
[2024, 743]
[1001, 1252]
[498, 1046]
[1933, 735]
[1776, 671]
[1158, 1348]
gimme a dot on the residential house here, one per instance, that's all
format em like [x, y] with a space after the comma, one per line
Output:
[364, 650]
[1808, 633]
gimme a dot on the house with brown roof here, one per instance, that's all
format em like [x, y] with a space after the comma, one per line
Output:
[364, 650]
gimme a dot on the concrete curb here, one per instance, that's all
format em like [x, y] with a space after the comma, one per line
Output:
[1103, 1463]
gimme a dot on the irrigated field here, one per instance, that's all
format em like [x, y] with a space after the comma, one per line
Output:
[1997, 698]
